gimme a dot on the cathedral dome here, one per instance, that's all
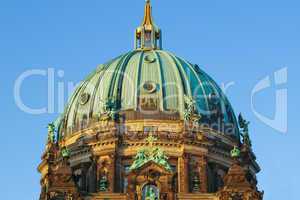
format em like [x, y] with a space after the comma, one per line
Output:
[152, 83]
[148, 125]
[149, 83]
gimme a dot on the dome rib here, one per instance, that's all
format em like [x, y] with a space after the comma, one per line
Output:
[205, 89]
[225, 100]
[176, 69]
[183, 76]
[118, 82]
[200, 82]
[162, 79]
[76, 112]
[116, 74]
[138, 80]
[93, 96]
[67, 109]
[97, 93]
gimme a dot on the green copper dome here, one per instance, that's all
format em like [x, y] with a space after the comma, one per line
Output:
[153, 83]
[149, 83]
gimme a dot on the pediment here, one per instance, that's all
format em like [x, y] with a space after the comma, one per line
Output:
[151, 166]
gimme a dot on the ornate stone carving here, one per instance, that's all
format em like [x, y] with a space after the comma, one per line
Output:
[236, 186]
[149, 103]
[151, 153]
[60, 183]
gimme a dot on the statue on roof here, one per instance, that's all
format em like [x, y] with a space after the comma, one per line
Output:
[110, 108]
[51, 133]
[244, 125]
[150, 153]
[190, 107]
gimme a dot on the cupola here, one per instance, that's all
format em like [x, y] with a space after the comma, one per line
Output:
[148, 36]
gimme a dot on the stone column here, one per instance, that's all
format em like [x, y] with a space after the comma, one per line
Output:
[169, 186]
[118, 175]
[98, 168]
[112, 172]
[183, 185]
[203, 173]
[131, 188]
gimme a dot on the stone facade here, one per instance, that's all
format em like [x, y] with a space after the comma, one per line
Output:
[105, 152]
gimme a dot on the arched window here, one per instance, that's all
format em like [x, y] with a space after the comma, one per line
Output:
[150, 191]
[148, 39]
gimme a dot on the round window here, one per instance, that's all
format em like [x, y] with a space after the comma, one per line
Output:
[150, 87]
[84, 98]
[150, 59]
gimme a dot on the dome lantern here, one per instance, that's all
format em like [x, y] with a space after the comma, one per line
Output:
[148, 36]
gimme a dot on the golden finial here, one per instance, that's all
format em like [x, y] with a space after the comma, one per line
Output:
[148, 21]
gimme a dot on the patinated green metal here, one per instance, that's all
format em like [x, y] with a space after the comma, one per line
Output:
[150, 195]
[190, 107]
[244, 125]
[110, 108]
[65, 153]
[103, 184]
[151, 153]
[196, 183]
[119, 87]
[51, 133]
[173, 85]
[235, 152]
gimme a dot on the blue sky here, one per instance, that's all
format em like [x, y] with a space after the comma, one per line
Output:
[233, 41]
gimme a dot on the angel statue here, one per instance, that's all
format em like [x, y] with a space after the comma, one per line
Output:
[162, 159]
[139, 160]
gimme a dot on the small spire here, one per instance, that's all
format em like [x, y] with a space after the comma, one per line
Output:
[148, 21]
[148, 35]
